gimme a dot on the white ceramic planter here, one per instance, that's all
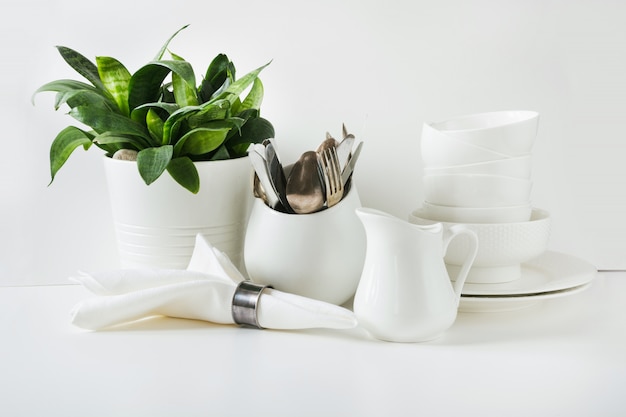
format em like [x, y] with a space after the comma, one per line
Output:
[156, 225]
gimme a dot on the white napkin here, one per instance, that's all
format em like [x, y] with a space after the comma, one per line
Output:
[204, 291]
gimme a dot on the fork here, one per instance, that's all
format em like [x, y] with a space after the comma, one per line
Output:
[332, 176]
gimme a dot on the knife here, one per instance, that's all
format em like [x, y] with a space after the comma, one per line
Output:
[258, 163]
[349, 168]
[276, 174]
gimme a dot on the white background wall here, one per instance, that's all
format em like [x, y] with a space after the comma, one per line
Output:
[382, 67]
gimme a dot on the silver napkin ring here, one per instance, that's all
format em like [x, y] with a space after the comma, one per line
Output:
[245, 301]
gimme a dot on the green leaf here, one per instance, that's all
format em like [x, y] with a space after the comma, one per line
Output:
[235, 106]
[220, 154]
[255, 130]
[184, 94]
[63, 86]
[234, 123]
[185, 173]
[164, 110]
[215, 77]
[64, 144]
[236, 88]
[168, 107]
[151, 162]
[159, 55]
[155, 126]
[116, 79]
[244, 116]
[170, 128]
[145, 84]
[181, 68]
[145, 87]
[200, 141]
[82, 65]
[254, 98]
[121, 141]
[101, 122]
[166, 94]
[217, 110]
[91, 98]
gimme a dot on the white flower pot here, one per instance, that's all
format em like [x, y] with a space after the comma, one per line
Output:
[156, 224]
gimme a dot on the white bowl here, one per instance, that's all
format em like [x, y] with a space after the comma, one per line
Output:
[460, 190]
[440, 150]
[502, 247]
[508, 132]
[518, 167]
[510, 214]
[318, 255]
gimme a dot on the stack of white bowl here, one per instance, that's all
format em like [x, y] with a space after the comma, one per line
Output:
[477, 171]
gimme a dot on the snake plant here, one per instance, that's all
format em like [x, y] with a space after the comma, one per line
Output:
[159, 112]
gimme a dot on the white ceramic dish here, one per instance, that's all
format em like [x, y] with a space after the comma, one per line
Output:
[502, 247]
[494, 304]
[508, 132]
[461, 190]
[518, 167]
[452, 214]
[549, 275]
[439, 150]
[548, 272]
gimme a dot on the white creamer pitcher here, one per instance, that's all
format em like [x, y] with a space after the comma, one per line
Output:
[405, 293]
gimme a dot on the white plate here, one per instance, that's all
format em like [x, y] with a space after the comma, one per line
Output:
[496, 303]
[550, 271]
[550, 275]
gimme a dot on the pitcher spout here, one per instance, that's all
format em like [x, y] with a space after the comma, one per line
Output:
[370, 215]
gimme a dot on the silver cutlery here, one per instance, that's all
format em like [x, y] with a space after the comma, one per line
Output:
[276, 174]
[260, 167]
[305, 190]
[316, 180]
[349, 168]
[344, 148]
[332, 176]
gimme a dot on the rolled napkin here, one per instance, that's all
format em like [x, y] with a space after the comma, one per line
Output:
[204, 291]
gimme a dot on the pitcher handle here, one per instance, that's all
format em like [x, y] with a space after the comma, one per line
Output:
[452, 232]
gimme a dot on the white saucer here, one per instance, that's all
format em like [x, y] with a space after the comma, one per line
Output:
[550, 275]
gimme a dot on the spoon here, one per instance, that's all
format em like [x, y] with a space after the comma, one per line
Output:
[305, 192]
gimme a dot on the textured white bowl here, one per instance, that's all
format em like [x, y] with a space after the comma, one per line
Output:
[518, 167]
[502, 247]
[460, 190]
[440, 150]
[508, 132]
[510, 214]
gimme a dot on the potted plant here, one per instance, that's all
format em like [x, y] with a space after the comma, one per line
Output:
[198, 133]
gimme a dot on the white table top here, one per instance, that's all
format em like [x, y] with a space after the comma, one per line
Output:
[564, 356]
